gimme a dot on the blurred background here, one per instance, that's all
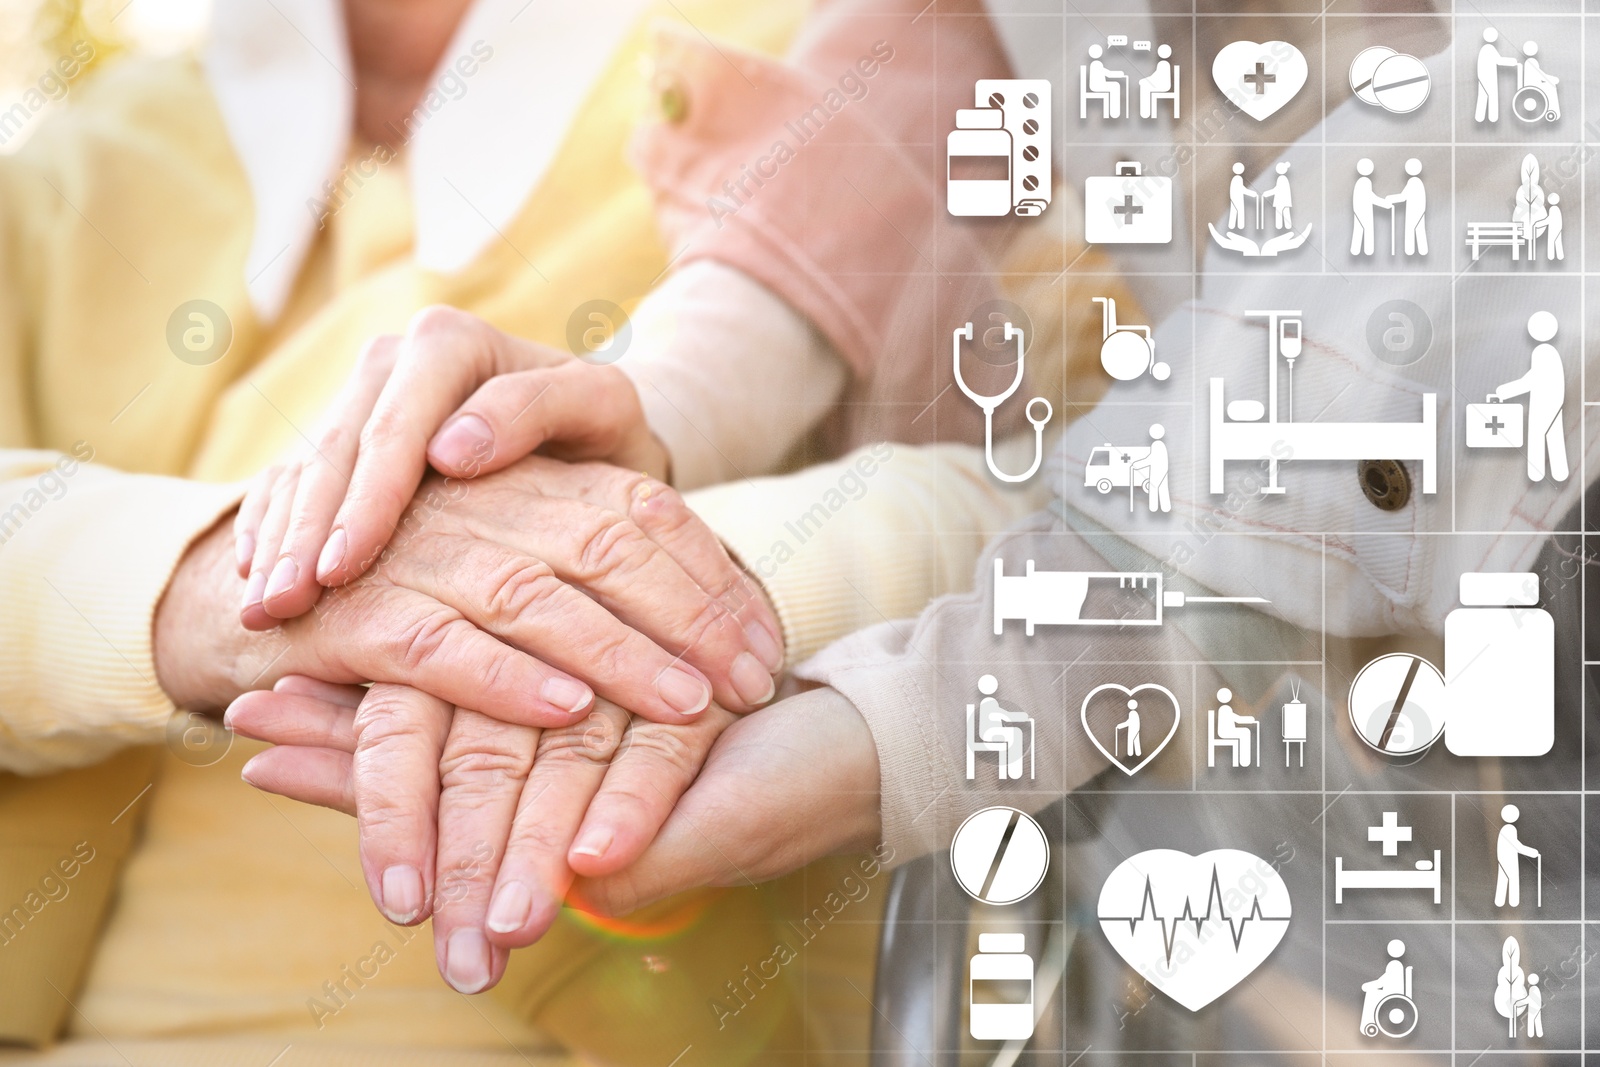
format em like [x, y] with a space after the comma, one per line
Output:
[33, 33]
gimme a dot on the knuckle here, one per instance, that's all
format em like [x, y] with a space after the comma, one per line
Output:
[377, 356]
[593, 741]
[712, 629]
[484, 768]
[521, 587]
[441, 320]
[288, 477]
[674, 747]
[655, 505]
[385, 816]
[430, 635]
[386, 425]
[465, 877]
[612, 654]
[382, 717]
[534, 836]
[267, 480]
[611, 546]
[334, 440]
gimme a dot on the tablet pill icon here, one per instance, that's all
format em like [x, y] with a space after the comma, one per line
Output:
[1394, 81]
[999, 855]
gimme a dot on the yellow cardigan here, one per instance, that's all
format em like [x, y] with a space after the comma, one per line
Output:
[237, 907]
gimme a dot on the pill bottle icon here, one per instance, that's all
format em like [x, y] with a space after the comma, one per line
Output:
[1499, 668]
[978, 164]
[1001, 989]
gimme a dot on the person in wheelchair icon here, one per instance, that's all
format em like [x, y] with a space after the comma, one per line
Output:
[1536, 98]
[1388, 1008]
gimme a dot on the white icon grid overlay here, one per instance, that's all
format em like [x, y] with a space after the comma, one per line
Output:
[1324, 808]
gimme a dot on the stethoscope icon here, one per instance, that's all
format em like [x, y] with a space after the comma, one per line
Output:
[989, 403]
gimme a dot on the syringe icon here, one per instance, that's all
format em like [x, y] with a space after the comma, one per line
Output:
[1058, 598]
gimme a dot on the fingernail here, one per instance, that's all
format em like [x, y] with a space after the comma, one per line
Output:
[567, 694]
[751, 680]
[462, 442]
[332, 557]
[402, 893]
[594, 843]
[683, 692]
[247, 770]
[284, 575]
[765, 646]
[512, 903]
[466, 961]
[253, 589]
[244, 549]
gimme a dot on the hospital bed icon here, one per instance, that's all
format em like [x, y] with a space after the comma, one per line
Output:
[1247, 430]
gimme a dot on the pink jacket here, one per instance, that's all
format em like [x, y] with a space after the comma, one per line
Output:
[822, 177]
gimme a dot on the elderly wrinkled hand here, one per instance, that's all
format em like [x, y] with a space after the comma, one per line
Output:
[453, 392]
[479, 824]
[520, 595]
[488, 827]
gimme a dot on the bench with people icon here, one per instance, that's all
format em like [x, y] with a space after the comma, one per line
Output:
[1534, 214]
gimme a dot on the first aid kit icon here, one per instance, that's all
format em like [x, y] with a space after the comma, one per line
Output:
[1128, 208]
[997, 158]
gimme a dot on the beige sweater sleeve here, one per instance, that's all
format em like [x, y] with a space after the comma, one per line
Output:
[694, 362]
[85, 555]
[871, 537]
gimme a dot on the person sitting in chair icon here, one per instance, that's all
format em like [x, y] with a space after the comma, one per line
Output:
[1107, 83]
[998, 726]
[1156, 84]
[1234, 729]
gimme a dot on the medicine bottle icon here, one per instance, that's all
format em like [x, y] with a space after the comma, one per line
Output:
[1000, 992]
[997, 159]
[1499, 668]
[978, 158]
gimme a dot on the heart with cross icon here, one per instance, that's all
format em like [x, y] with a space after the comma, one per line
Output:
[1260, 78]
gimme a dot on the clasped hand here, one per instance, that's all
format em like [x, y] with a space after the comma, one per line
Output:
[508, 608]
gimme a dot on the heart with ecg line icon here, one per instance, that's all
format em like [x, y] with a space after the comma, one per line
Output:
[1134, 717]
[1194, 926]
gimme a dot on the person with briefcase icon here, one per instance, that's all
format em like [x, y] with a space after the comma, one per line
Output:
[1499, 424]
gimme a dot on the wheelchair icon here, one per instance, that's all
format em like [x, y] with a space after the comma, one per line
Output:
[1536, 98]
[1535, 102]
[1388, 1008]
